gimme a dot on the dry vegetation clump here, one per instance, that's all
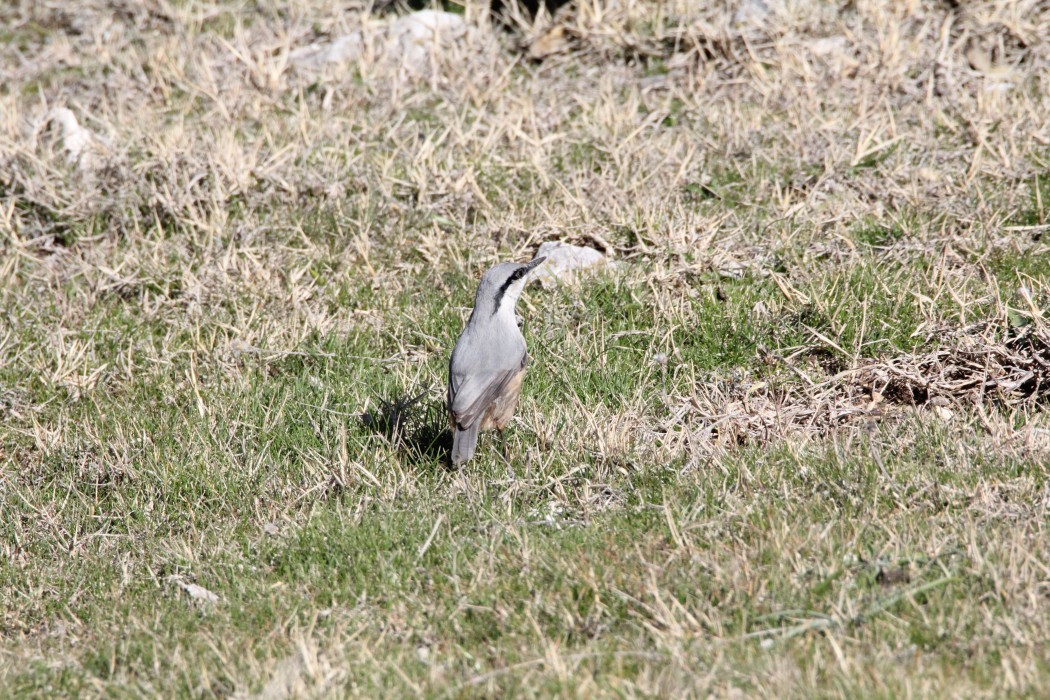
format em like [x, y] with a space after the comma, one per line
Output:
[1004, 364]
[1005, 367]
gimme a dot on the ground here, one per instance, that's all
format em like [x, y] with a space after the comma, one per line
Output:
[793, 441]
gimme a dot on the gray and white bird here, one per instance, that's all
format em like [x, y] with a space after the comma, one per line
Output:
[488, 363]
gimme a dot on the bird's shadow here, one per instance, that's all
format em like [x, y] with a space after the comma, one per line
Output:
[417, 427]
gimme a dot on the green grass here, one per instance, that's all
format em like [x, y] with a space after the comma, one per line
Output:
[488, 567]
[559, 551]
[496, 580]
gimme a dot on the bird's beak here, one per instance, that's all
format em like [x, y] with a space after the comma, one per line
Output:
[530, 266]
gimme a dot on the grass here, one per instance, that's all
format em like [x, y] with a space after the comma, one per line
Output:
[792, 443]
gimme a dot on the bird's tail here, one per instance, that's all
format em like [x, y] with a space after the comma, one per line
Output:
[464, 441]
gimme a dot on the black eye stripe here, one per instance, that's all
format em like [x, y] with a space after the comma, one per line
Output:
[514, 277]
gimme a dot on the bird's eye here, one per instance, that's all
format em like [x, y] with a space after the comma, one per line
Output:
[518, 274]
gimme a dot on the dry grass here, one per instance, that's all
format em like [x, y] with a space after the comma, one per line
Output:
[794, 443]
[971, 369]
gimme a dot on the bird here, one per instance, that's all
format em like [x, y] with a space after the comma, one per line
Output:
[487, 365]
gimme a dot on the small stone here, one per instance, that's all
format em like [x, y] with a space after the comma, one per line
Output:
[757, 12]
[554, 40]
[408, 39]
[943, 413]
[565, 261]
[828, 45]
[344, 49]
[83, 148]
[929, 174]
[892, 576]
[198, 594]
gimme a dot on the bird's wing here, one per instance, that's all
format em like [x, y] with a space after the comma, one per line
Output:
[470, 394]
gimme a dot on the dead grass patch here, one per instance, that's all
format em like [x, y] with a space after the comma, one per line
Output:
[994, 364]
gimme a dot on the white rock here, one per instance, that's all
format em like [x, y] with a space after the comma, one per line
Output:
[82, 146]
[409, 39]
[757, 12]
[345, 49]
[197, 593]
[828, 45]
[416, 34]
[427, 25]
[565, 261]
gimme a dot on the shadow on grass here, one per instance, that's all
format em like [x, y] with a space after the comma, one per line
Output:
[417, 427]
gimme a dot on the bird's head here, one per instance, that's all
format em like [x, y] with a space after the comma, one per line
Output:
[502, 284]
